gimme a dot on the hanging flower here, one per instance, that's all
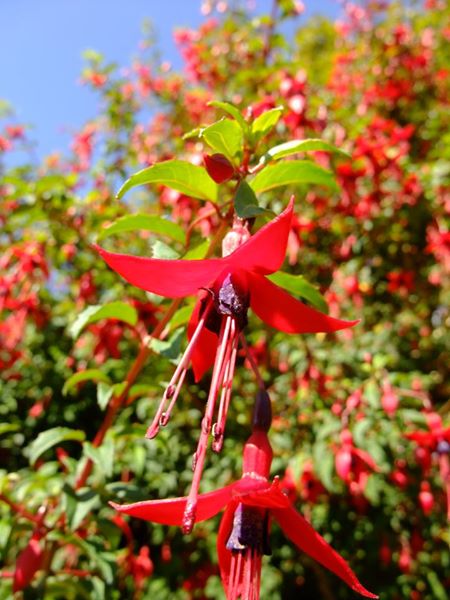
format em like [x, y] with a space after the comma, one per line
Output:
[436, 443]
[228, 287]
[250, 505]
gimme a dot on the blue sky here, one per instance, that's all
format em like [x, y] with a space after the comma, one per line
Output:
[41, 48]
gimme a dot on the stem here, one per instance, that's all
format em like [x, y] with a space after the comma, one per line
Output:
[252, 361]
[20, 510]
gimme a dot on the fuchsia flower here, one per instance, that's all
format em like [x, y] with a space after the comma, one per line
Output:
[250, 505]
[228, 287]
[436, 443]
[353, 465]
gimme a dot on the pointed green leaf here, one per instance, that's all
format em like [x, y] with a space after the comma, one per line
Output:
[112, 310]
[197, 252]
[290, 173]
[104, 394]
[103, 456]
[179, 175]
[233, 111]
[299, 286]
[87, 375]
[146, 222]
[295, 146]
[78, 504]
[51, 437]
[323, 460]
[246, 203]
[266, 122]
[181, 317]
[162, 250]
[170, 348]
[439, 592]
[225, 137]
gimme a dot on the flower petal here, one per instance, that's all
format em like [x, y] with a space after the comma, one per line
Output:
[170, 511]
[170, 278]
[423, 438]
[28, 563]
[299, 531]
[224, 555]
[367, 458]
[264, 252]
[279, 309]
[204, 352]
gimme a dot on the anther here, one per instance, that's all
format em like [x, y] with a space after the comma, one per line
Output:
[170, 391]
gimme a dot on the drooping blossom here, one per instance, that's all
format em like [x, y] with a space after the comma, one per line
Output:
[353, 465]
[28, 562]
[228, 286]
[436, 443]
[251, 504]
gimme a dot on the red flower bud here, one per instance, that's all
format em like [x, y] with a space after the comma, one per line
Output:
[343, 463]
[389, 400]
[426, 498]
[28, 563]
[219, 167]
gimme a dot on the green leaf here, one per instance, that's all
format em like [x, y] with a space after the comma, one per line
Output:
[246, 203]
[294, 146]
[266, 122]
[179, 175]
[225, 137]
[78, 504]
[103, 456]
[323, 460]
[233, 111]
[163, 251]
[299, 286]
[51, 437]
[112, 310]
[87, 375]
[197, 252]
[290, 173]
[439, 592]
[181, 317]
[104, 394]
[140, 389]
[170, 348]
[147, 223]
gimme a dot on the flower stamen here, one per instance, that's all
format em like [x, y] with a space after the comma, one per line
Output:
[172, 391]
[223, 348]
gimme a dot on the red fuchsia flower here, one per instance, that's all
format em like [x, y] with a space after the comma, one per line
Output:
[353, 465]
[229, 286]
[250, 505]
[28, 562]
[436, 441]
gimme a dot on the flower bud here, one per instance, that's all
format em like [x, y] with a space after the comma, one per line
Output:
[219, 167]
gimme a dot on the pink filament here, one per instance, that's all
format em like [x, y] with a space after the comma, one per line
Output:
[224, 349]
[172, 391]
[245, 575]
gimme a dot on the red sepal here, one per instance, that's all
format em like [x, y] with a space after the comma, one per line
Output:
[28, 563]
[171, 511]
[299, 531]
[279, 309]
